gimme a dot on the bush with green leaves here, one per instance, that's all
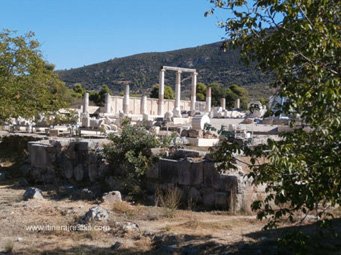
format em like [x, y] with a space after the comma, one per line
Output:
[300, 46]
[129, 155]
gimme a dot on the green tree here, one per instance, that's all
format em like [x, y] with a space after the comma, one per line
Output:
[201, 91]
[99, 97]
[218, 92]
[28, 84]
[169, 92]
[242, 94]
[130, 156]
[78, 90]
[301, 47]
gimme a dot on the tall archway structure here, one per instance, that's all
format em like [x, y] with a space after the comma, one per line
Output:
[178, 70]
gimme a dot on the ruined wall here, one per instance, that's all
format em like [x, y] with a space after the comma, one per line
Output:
[80, 161]
[204, 186]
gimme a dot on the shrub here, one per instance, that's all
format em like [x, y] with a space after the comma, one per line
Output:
[129, 155]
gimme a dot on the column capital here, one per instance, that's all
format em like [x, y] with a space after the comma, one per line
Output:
[178, 71]
[195, 73]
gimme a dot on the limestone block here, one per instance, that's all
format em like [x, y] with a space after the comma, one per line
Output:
[39, 155]
[67, 168]
[195, 133]
[184, 133]
[221, 200]
[184, 170]
[194, 195]
[53, 132]
[33, 193]
[92, 172]
[168, 171]
[78, 172]
[228, 183]
[95, 214]
[210, 174]
[208, 198]
[112, 197]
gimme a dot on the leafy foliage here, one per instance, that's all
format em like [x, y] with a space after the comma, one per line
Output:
[168, 93]
[130, 156]
[201, 91]
[28, 84]
[99, 97]
[301, 47]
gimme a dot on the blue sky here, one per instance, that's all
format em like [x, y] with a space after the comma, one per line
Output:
[75, 33]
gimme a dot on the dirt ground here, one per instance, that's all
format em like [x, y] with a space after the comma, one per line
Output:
[160, 231]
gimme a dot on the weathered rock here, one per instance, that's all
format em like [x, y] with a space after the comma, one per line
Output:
[96, 213]
[130, 227]
[33, 193]
[116, 246]
[195, 133]
[78, 172]
[25, 169]
[194, 195]
[112, 197]
[67, 168]
[87, 194]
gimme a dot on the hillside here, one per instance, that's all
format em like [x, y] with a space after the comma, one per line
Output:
[141, 71]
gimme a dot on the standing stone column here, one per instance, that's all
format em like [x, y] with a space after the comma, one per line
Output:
[161, 92]
[193, 92]
[208, 99]
[126, 100]
[85, 118]
[237, 104]
[107, 103]
[86, 103]
[143, 109]
[223, 103]
[177, 109]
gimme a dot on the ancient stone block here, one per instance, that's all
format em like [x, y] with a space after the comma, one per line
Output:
[33, 193]
[53, 132]
[195, 133]
[210, 174]
[78, 172]
[221, 200]
[168, 171]
[208, 198]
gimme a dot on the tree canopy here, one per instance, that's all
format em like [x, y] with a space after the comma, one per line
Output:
[169, 92]
[299, 43]
[28, 84]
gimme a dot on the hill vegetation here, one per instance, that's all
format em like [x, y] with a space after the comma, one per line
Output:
[141, 71]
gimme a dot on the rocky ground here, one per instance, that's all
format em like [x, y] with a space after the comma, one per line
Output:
[123, 228]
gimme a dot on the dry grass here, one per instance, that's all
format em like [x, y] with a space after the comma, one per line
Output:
[9, 246]
[170, 200]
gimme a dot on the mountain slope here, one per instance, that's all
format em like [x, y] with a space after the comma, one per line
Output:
[141, 71]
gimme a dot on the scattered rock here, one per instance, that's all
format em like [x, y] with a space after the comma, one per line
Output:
[96, 213]
[87, 194]
[116, 245]
[19, 239]
[112, 197]
[33, 193]
[130, 227]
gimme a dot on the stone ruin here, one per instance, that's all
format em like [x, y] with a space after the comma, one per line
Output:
[80, 161]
